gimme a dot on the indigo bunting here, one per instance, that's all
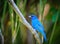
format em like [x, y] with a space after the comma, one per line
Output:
[37, 25]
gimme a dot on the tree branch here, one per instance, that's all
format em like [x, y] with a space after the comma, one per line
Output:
[24, 21]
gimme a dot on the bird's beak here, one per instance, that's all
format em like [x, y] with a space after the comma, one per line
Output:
[29, 16]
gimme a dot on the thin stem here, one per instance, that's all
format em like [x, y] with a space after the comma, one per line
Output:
[3, 15]
[54, 28]
[12, 21]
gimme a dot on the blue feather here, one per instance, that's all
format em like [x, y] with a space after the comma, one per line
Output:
[38, 26]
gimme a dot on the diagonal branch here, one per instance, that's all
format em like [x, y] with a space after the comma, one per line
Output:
[24, 21]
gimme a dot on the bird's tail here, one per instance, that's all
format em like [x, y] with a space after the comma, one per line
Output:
[44, 35]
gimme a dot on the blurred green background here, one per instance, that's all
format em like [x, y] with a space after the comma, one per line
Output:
[14, 32]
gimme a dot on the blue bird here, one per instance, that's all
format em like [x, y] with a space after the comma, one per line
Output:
[37, 25]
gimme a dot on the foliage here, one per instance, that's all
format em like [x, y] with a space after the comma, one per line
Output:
[15, 32]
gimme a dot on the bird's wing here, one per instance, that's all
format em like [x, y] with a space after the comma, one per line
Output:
[38, 23]
[39, 27]
[41, 30]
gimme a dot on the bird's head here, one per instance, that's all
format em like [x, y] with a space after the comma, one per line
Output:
[32, 16]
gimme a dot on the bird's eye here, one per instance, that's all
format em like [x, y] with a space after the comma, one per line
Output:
[32, 16]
